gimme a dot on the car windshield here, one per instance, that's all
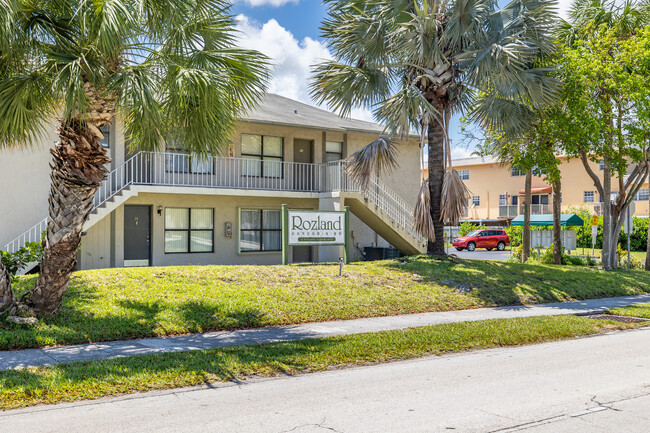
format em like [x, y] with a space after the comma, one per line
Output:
[472, 233]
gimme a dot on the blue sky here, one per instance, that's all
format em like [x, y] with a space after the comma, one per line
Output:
[288, 32]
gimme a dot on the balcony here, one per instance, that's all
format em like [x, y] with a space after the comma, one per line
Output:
[508, 211]
[537, 209]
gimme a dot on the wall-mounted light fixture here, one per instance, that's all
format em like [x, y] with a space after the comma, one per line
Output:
[160, 209]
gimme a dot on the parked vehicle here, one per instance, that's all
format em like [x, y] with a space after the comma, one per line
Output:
[484, 238]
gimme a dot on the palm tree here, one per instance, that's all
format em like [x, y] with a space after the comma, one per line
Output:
[417, 62]
[169, 68]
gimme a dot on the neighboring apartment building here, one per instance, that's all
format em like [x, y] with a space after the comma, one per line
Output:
[498, 189]
[169, 208]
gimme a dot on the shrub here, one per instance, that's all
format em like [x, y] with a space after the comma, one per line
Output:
[14, 262]
[466, 227]
[514, 233]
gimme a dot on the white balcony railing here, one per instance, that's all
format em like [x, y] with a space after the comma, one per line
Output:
[179, 169]
[537, 209]
[508, 211]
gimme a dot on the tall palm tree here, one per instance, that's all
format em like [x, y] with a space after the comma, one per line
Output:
[169, 68]
[415, 63]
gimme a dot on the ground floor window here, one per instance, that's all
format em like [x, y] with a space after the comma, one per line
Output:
[189, 230]
[260, 230]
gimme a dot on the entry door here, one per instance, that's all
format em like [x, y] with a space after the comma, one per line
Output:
[301, 254]
[303, 170]
[137, 235]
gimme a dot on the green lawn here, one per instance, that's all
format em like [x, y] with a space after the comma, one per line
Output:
[94, 379]
[638, 255]
[142, 302]
[639, 310]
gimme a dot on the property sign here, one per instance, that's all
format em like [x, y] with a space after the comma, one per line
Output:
[594, 220]
[594, 234]
[314, 227]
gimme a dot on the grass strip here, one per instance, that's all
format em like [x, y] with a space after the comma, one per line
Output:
[114, 304]
[638, 310]
[94, 379]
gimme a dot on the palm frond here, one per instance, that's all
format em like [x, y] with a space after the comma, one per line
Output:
[376, 158]
[454, 199]
[422, 220]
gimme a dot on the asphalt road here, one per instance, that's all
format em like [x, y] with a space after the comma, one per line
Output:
[597, 384]
[481, 254]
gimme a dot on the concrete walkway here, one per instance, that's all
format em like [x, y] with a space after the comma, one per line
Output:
[83, 352]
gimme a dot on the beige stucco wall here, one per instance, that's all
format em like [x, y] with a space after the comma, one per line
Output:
[489, 180]
[24, 187]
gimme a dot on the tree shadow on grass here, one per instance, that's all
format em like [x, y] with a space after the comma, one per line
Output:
[164, 370]
[507, 283]
[132, 319]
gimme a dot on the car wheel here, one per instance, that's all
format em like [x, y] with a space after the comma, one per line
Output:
[501, 246]
[471, 246]
[459, 249]
[489, 249]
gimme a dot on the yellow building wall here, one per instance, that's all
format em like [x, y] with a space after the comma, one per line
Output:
[490, 180]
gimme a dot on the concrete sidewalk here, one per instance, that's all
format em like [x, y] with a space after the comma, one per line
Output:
[83, 352]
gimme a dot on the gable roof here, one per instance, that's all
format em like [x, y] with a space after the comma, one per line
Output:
[278, 110]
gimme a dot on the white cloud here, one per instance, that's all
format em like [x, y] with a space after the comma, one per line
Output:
[460, 152]
[292, 59]
[270, 2]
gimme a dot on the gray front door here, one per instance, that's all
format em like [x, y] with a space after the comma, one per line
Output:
[137, 235]
[303, 171]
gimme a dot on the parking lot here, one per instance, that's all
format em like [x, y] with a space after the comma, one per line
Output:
[481, 254]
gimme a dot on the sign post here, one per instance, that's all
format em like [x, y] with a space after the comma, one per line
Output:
[315, 228]
[594, 233]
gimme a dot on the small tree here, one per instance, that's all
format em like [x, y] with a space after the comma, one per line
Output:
[171, 68]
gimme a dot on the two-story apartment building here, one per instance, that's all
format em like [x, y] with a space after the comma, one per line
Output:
[498, 189]
[170, 208]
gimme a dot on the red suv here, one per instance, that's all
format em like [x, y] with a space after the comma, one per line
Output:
[484, 238]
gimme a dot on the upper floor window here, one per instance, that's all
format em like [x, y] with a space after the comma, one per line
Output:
[502, 200]
[177, 160]
[333, 151]
[262, 154]
[602, 164]
[476, 200]
[642, 195]
[464, 174]
[517, 172]
[106, 132]
[589, 197]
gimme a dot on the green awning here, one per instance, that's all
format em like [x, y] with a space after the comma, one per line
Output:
[568, 220]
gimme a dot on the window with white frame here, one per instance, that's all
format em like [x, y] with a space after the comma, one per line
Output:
[464, 174]
[476, 200]
[189, 230]
[515, 172]
[589, 197]
[106, 132]
[503, 200]
[602, 165]
[262, 155]
[177, 160]
[333, 151]
[642, 195]
[260, 230]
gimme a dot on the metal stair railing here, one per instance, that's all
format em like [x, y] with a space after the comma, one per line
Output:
[381, 195]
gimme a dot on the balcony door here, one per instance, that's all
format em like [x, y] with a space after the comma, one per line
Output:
[303, 168]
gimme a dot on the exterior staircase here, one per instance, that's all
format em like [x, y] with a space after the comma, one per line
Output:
[378, 206]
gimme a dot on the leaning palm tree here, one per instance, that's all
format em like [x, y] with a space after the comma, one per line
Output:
[415, 63]
[169, 68]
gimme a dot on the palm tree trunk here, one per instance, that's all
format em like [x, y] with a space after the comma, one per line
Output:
[435, 139]
[7, 299]
[557, 222]
[525, 236]
[77, 172]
